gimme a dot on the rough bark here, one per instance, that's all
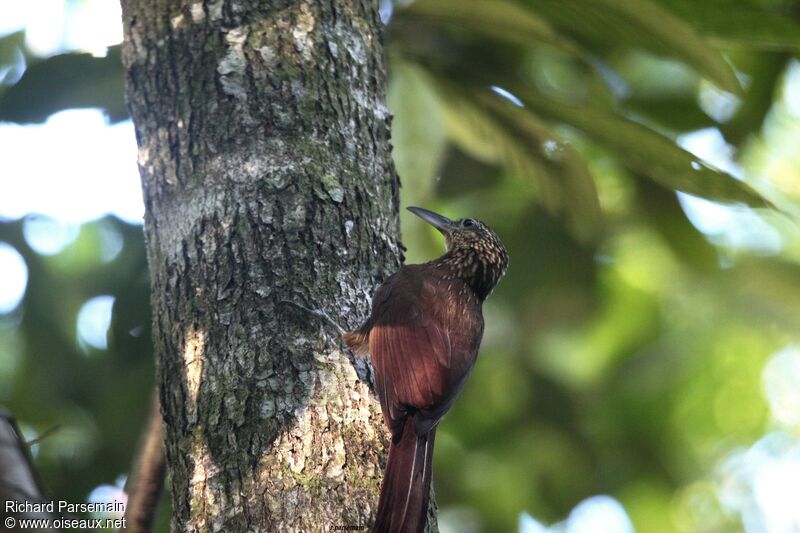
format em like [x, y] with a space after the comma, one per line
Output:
[265, 161]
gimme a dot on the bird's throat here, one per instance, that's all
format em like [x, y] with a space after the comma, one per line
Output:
[472, 268]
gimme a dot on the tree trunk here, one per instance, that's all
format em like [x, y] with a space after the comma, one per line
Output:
[266, 167]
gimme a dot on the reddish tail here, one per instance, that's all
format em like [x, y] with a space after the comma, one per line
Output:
[403, 506]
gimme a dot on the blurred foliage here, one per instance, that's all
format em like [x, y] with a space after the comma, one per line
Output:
[51, 380]
[624, 350]
[82, 80]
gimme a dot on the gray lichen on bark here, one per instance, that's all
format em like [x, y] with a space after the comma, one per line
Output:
[265, 161]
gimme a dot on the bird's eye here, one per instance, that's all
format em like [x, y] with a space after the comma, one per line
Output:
[468, 223]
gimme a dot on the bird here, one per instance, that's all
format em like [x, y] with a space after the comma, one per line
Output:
[423, 336]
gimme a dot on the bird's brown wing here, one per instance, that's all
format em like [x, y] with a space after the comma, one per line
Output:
[411, 353]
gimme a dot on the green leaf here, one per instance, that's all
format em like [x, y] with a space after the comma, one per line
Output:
[642, 24]
[494, 131]
[473, 129]
[646, 151]
[734, 22]
[67, 81]
[12, 57]
[500, 19]
[677, 38]
[574, 184]
[470, 128]
[678, 114]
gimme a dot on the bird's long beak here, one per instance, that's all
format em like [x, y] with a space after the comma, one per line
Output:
[442, 223]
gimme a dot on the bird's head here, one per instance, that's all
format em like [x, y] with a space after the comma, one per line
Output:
[474, 251]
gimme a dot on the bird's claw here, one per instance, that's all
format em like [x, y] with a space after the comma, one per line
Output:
[318, 313]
